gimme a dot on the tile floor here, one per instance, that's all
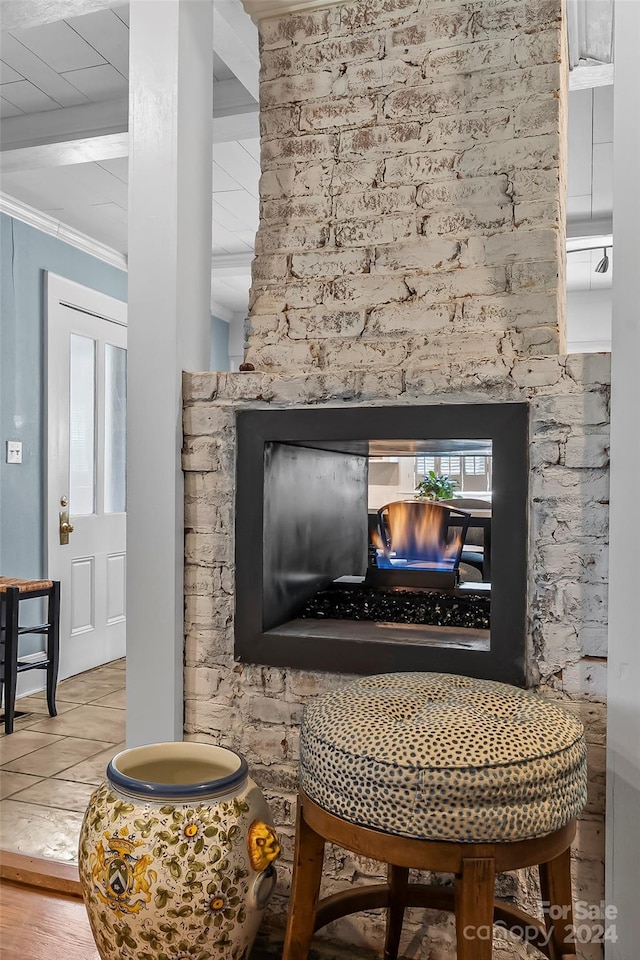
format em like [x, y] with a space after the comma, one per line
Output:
[49, 766]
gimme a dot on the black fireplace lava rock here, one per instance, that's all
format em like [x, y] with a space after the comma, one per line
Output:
[470, 610]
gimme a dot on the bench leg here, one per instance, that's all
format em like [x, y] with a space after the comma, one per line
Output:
[398, 883]
[474, 892]
[10, 656]
[305, 888]
[53, 647]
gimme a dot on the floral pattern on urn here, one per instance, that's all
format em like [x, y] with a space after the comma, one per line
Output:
[176, 855]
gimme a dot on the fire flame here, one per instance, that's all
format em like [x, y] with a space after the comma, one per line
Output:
[417, 536]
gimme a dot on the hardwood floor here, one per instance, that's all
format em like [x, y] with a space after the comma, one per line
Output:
[39, 924]
[41, 914]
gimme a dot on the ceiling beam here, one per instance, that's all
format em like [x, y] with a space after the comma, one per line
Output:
[62, 153]
[242, 125]
[68, 123]
[579, 228]
[17, 14]
[235, 41]
[97, 131]
[112, 116]
[230, 95]
[65, 153]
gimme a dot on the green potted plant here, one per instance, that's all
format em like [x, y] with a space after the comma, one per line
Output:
[435, 487]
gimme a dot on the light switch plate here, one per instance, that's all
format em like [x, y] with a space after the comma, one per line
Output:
[14, 451]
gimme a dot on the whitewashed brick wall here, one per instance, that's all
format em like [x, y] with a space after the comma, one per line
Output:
[257, 709]
[409, 252]
[411, 201]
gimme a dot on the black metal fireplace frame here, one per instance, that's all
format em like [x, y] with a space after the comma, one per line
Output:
[505, 424]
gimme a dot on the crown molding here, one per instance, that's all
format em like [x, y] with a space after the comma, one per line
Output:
[231, 264]
[55, 228]
[221, 265]
[263, 9]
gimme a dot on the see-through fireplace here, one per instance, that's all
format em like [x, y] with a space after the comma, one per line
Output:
[348, 561]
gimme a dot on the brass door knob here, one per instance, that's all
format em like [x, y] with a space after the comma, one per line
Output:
[65, 527]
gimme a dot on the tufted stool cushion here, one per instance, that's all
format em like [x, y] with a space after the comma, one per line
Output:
[441, 757]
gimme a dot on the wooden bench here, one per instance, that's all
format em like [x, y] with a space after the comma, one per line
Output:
[12, 593]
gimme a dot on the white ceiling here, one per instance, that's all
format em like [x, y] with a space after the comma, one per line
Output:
[84, 60]
[65, 63]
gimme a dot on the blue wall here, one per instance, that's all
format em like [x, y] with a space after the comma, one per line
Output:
[25, 254]
[219, 344]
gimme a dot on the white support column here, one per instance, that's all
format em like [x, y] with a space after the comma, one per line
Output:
[623, 694]
[171, 83]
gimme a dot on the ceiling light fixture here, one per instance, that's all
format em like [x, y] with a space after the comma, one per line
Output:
[603, 265]
[588, 246]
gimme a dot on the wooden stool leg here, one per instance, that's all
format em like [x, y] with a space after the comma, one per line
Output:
[12, 597]
[305, 887]
[53, 646]
[474, 909]
[398, 883]
[555, 886]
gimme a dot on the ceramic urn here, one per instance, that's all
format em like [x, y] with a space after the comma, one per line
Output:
[176, 855]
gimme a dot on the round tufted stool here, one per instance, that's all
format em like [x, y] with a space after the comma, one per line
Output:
[443, 773]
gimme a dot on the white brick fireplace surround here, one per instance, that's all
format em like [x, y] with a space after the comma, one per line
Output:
[410, 251]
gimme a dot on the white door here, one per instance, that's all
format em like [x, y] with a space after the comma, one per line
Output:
[86, 470]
